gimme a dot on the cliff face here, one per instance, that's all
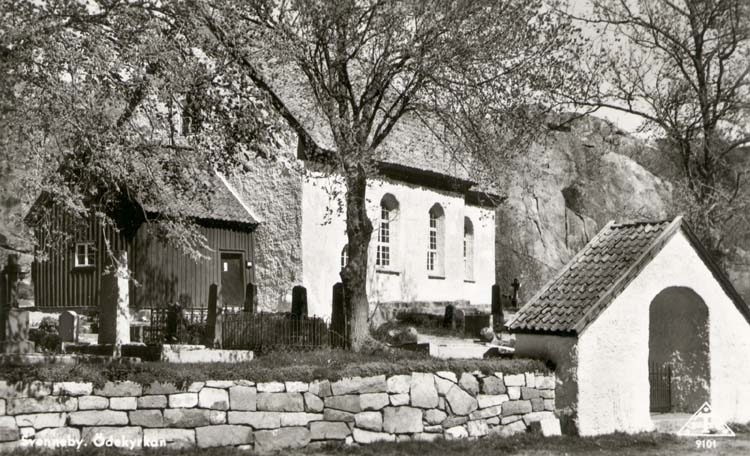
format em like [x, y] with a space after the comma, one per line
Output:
[567, 187]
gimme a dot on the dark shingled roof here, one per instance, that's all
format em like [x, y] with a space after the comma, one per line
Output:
[600, 271]
[412, 143]
[221, 204]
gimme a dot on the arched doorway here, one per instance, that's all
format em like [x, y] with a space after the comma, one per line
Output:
[679, 369]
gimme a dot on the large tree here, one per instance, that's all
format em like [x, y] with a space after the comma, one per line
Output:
[480, 69]
[91, 88]
[105, 103]
[683, 67]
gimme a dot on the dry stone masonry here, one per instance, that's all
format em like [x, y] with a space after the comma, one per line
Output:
[276, 415]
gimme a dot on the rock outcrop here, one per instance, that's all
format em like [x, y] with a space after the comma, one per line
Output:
[566, 188]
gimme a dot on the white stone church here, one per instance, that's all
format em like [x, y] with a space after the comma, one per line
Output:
[434, 229]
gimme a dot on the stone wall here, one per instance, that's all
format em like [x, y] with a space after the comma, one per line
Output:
[406, 278]
[269, 416]
[272, 188]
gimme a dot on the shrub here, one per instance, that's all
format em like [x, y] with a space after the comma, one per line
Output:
[46, 337]
[395, 334]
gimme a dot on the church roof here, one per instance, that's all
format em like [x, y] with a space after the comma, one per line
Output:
[412, 144]
[586, 286]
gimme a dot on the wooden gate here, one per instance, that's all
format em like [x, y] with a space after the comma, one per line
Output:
[660, 379]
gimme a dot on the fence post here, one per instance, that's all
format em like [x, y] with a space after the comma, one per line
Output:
[173, 311]
[210, 335]
[299, 301]
[338, 312]
[260, 344]
[251, 298]
[218, 341]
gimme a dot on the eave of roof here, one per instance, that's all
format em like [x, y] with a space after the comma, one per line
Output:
[237, 214]
[412, 144]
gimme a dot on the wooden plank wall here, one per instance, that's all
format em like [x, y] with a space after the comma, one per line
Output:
[57, 282]
[165, 275]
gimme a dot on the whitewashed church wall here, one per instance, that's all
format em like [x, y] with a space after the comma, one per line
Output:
[407, 278]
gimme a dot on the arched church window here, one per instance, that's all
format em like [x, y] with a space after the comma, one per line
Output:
[436, 241]
[387, 232]
[468, 249]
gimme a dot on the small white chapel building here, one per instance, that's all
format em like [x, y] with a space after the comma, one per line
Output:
[640, 321]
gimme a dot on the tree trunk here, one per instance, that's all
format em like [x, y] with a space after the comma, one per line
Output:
[354, 275]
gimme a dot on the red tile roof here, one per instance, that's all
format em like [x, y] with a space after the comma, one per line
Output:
[600, 271]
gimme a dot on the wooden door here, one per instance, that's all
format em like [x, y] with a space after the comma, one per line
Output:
[232, 279]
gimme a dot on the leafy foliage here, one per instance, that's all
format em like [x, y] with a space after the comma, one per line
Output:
[683, 67]
[111, 104]
[477, 74]
[127, 103]
[46, 337]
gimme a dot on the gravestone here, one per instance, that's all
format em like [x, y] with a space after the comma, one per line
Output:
[474, 323]
[299, 301]
[14, 323]
[458, 319]
[173, 319]
[251, 298]
[213, 320]
[497, 309]
[338, 312]
[68, 326]
[514, 300]
[114, 313]
[449, 317]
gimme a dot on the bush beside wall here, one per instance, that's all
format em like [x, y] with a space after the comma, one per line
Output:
[275, 415]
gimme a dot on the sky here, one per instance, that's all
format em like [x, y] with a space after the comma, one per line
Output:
[623, 121]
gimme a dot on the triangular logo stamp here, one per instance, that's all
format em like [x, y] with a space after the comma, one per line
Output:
[703, 423]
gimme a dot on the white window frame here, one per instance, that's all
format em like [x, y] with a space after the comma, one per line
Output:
[468, 249]
[383, 254]
[436, 242]
[387, 242]
[84, 255]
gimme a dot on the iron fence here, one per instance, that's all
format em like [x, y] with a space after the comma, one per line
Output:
[188, 327]
[265, 331]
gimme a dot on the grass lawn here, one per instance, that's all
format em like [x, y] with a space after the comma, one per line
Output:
[642, 444]
[527, 444]
[287, 365]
